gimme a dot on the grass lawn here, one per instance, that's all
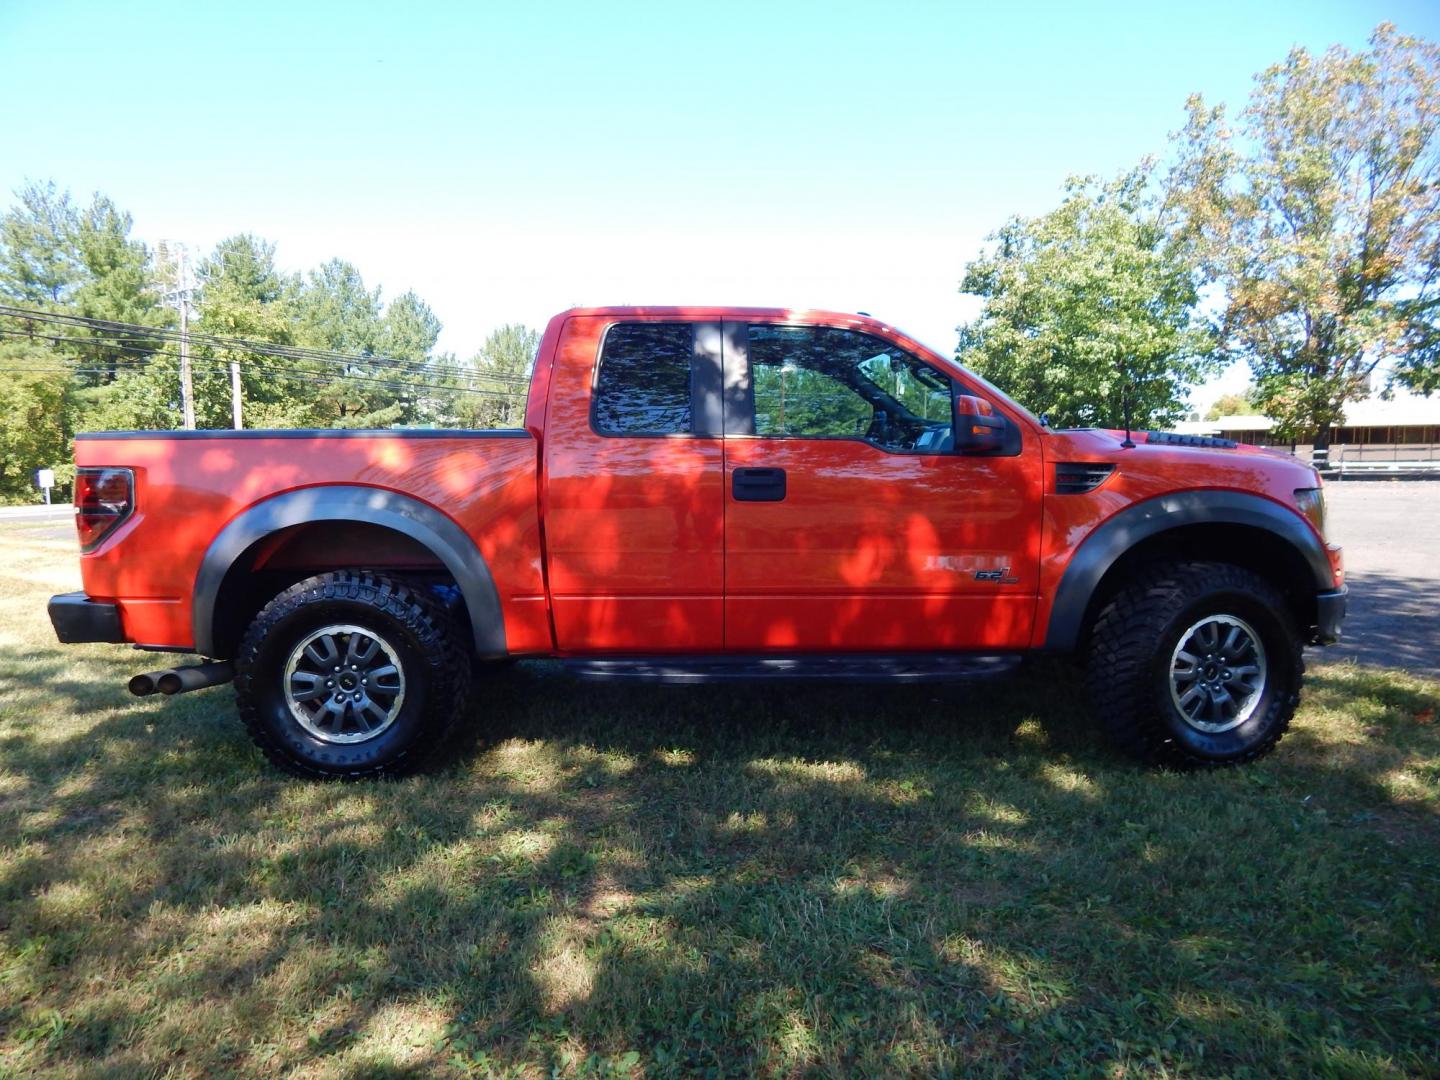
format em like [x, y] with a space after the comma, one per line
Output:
[783, 880]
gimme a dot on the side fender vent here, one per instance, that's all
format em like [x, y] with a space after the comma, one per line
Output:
[1079, 477]
[1208, 442]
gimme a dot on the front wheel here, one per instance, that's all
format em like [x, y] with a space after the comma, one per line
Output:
[350, 675]
[1195, 664]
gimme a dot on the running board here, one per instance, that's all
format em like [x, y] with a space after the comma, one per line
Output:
[860, 668]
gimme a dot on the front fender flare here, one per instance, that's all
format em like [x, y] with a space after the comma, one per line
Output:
[352, 502]
[1118, 534]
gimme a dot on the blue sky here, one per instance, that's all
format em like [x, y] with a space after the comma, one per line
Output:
[508, 160]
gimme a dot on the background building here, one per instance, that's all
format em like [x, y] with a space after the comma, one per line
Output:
[1397, 437]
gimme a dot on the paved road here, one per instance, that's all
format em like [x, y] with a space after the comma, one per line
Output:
[30, 513]
[41, 522]
[1391, 533]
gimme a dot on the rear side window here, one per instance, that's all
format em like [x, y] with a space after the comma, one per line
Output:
[643, 385]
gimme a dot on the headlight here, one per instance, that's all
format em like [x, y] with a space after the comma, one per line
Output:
[1311, 502]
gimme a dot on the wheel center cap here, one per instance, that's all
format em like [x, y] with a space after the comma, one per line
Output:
[348, 681]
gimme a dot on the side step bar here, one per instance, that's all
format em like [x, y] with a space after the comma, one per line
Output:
[948, 667]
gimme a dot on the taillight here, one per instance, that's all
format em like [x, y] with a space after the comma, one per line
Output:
[103, 499]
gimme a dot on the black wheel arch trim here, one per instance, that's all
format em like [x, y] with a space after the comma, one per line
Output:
[352, 502]
[1118, 534]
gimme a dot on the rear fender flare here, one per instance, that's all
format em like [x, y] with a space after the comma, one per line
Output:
[1118, 534]
[345, 502]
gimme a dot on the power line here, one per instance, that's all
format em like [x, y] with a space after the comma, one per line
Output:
[435, 370]
[297, 352]
[432, 376]
[312, 377]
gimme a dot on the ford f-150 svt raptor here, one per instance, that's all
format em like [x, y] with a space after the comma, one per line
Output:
[696, 482]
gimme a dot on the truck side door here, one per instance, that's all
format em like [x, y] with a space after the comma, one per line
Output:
[633, 487]
[851, 524]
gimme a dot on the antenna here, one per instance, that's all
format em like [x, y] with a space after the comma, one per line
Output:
[1125, 405]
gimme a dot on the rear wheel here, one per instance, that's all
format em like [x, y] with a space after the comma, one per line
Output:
[1196, 664]
[350, 674]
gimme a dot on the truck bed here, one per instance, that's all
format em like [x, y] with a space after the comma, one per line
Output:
[190, 484]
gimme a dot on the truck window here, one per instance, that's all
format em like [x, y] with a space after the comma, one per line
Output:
[821, 382]
[643, 384]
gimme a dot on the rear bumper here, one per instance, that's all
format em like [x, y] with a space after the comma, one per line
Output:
[76, 618]
[1329, 614]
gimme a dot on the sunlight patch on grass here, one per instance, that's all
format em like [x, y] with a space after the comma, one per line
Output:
[526, 845]
[1069, 779]
[397, 1037]
[995, 811]
[829, 772]
[882, 886]
[565, 974]
[754, 823]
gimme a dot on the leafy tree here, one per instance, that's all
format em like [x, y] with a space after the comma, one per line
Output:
[35, 392]
[1232, 405]
[1085, 301]
[243, 295]
[116, 284]
[116, 281]
[338, 313]
[81, 260]
[408, 334]
[38, 261]
[1320, 216]
[497, 377]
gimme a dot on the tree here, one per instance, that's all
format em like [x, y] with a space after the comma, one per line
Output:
[38, 260]
[77, 260]
[408, 334]
[493, 385]
[338, 313]
[1231, 405]
[59, 257]
[1087, 301]
[116, 284]
[35, 394]
[243, 295]
[1320, 216]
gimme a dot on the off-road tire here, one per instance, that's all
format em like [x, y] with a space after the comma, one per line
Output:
[434, 661]
[1129, 663]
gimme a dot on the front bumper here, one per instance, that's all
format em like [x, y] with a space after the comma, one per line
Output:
[77, 619]
[1329, 614]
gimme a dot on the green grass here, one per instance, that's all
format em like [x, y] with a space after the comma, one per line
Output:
[676, 881]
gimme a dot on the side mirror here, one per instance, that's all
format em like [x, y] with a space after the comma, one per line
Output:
[978, 427]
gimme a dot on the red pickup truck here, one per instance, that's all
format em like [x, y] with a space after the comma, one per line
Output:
[765, 486]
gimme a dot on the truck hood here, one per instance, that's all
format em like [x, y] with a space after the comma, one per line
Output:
[1199, 457]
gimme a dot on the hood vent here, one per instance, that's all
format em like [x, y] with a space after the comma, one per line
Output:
[1207, 442]
[1078, 477]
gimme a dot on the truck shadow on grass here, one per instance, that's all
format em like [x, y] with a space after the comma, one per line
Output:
[611, 879]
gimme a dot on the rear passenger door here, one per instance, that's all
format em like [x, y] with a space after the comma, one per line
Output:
[633, 487]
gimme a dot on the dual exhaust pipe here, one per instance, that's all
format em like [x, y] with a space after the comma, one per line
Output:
[182, 680]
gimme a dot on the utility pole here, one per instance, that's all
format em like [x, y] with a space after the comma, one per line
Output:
[181, 296]
[235, 393]
[187, 386]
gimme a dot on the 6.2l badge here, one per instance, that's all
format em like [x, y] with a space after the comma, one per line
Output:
[999, 577]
